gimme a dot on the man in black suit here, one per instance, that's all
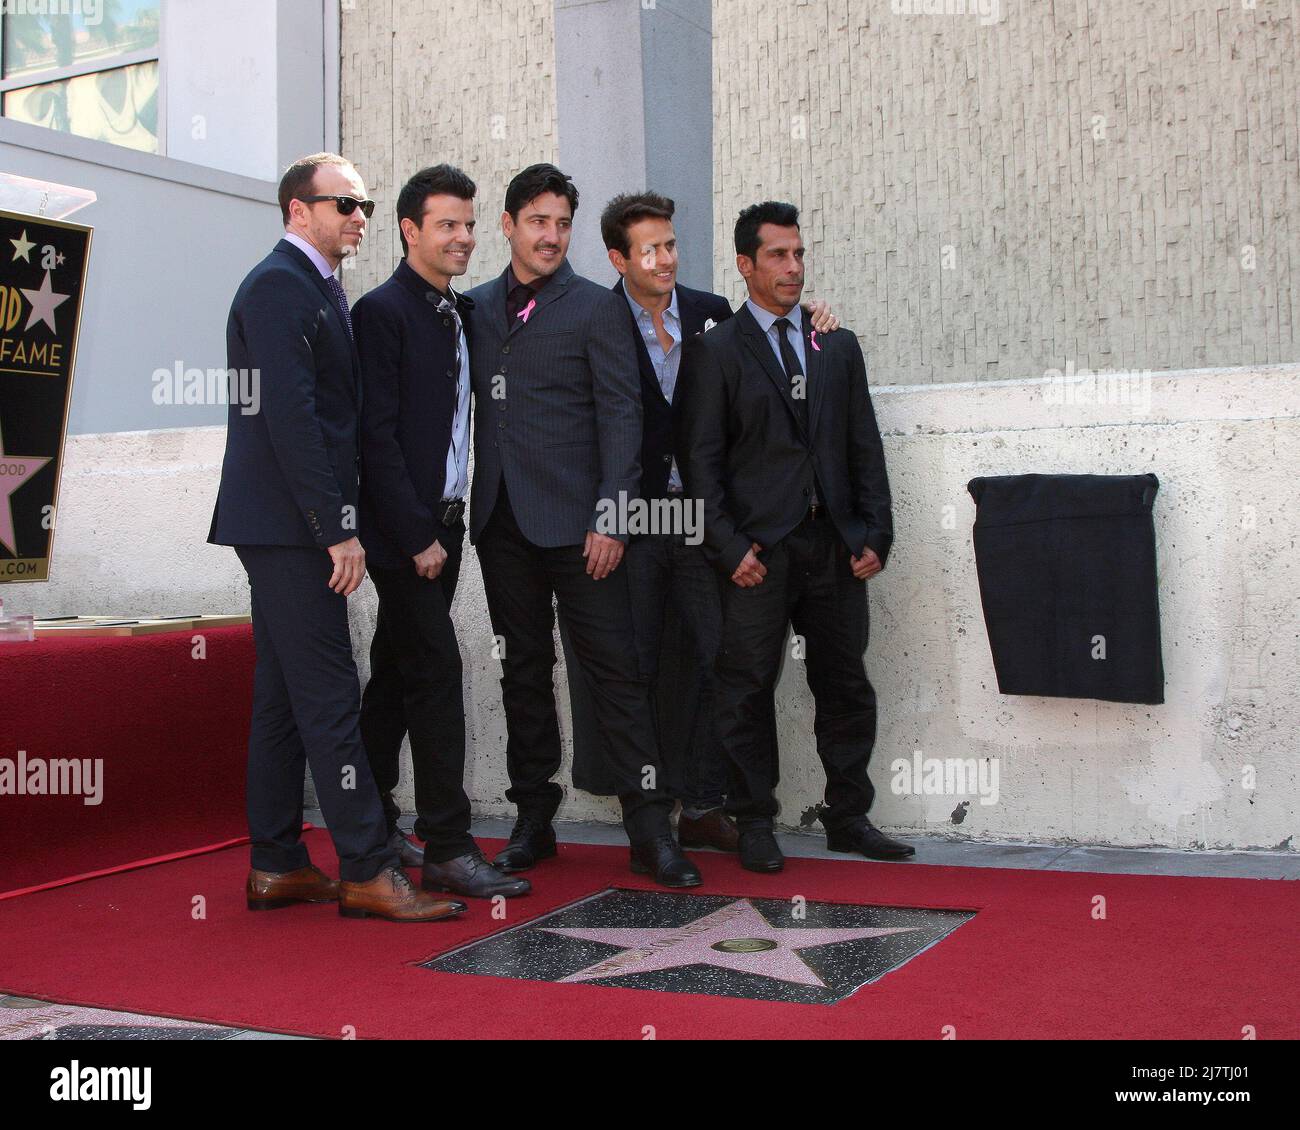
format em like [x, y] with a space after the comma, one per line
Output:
[414, 480]
[557, 432]
[288, 504]
[778, 437]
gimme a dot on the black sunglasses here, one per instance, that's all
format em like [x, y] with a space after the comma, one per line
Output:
[345, 204]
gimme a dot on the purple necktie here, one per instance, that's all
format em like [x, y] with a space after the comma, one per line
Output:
[341, 297]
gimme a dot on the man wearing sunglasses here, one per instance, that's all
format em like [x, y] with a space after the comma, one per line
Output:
[288, 504]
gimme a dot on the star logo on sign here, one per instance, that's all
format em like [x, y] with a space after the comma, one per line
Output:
[735, 937]
[44, 302]
[15, 470]
[22, 248]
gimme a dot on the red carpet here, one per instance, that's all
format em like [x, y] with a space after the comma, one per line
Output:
[1174, 958]
[171, 730]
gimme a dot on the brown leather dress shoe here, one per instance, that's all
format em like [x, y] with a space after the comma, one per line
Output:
[270, 890]
[714, 829]
[391, 895]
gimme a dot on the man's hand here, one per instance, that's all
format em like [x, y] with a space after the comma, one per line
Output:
[866, 566]
[603, 553]
[751, 571]
[429, 563]
[349, 566]
[823, 321]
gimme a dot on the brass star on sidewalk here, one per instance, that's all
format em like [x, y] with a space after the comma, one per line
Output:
[735, 937]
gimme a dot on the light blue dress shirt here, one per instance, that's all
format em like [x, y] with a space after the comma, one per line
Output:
[458, 453]
[666, 365]
[322, 264]
[767, 321]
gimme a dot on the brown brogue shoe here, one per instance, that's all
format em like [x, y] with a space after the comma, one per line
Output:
[270, 890]
[391, 895]
[714, 829]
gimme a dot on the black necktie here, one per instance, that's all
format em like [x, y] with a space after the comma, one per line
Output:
[794, 372]
[517, 299]
[341, 297]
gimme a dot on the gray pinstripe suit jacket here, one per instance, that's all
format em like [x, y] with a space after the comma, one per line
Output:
[557, 407]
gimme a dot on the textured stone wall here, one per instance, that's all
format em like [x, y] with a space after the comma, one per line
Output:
[471, 82]
[1103, 185]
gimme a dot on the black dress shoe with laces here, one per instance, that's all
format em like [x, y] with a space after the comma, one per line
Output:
[530, 841]
[759, 850]
[866, 839]
[471, 875]
[410, 855]
[662, 858]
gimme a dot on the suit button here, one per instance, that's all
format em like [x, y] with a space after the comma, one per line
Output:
[446, 321]
[505, 349]
[668, 458]
[450, 373]
[502, 424]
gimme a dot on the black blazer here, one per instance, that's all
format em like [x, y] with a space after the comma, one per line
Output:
[557, 407]
[658, 441]
[289, 476]
[408, 372]
[741, 449]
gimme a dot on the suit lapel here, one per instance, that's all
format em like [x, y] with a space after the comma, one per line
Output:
[306, 264]
[553, 291]
[816, 379]
[642, 353]
[761, 347]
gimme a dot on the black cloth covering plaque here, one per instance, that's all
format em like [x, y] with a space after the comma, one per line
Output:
[1067, 575]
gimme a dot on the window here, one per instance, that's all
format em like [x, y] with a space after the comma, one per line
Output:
[86, 67]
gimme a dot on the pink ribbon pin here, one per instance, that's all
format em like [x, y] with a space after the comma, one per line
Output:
[812, 337]
[527, 311]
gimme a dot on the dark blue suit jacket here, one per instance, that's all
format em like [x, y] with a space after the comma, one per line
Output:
[408, 372]
[289, 476]
[658, 446]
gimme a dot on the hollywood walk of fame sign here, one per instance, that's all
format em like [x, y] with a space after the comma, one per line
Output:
[721, 945]
[43, 267]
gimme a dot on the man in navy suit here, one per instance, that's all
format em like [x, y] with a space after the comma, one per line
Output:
[288, 504]
[557, 434]
[415, 436]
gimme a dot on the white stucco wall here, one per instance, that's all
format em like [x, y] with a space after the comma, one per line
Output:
[1226, 447]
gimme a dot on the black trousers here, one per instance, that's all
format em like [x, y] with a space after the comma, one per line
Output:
[306, 701]
[662, 570]
[417, 684]
[520, 580]
[810, 586]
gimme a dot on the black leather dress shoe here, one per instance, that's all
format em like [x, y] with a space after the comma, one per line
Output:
[866, 839]
[471, 875]
[662, 858]
[530, 841]
[759, 850]
[410, 855]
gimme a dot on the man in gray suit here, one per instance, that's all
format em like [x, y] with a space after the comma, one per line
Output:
[557, 439]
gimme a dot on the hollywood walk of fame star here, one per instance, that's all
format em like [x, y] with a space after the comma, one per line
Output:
[44, 302]
[22, 248]
[15, 470]
[735, 937]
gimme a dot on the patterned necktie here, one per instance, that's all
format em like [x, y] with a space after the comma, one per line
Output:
[341, 297]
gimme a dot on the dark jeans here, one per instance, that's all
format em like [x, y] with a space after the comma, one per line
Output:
[306, 700]
[809, 585]
[662, 570]
[417, 683]
[520, 580]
